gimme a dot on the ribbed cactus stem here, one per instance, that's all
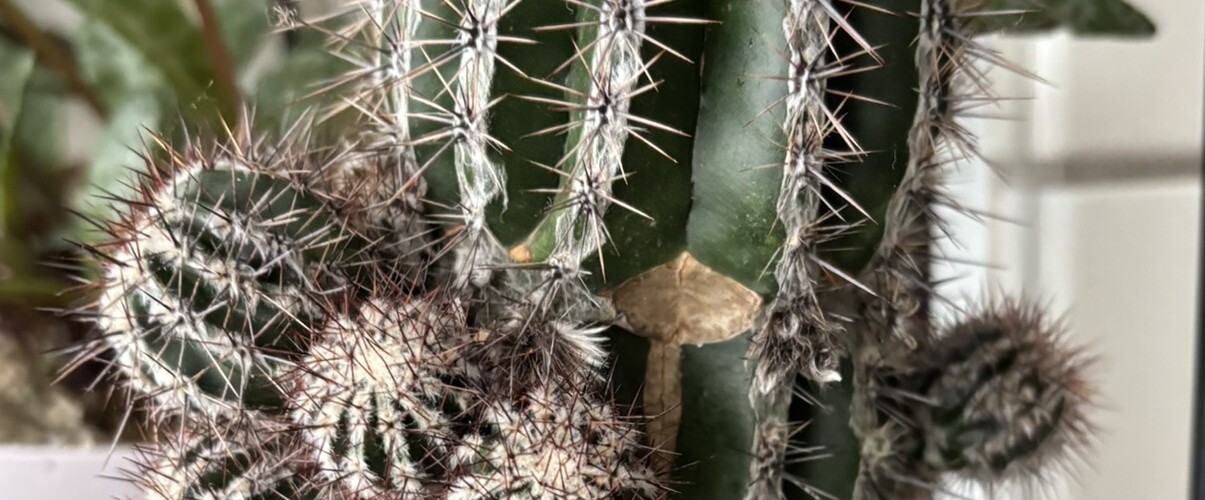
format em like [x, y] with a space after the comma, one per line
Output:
[796, 336]
[479, 178]
[382, 175]
[228, 462]
[216, 274]
[900, 266]
[378, 395]
[897, 319]
[1003, 397]
[603, 81]
[595, 156]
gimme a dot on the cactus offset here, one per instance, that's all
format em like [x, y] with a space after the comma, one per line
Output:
[213, 279]
[1002, 396]
[379, 395]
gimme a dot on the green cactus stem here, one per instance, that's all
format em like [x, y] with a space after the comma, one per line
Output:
[722, 211]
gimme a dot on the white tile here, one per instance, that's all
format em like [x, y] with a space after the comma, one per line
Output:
[1123, 98]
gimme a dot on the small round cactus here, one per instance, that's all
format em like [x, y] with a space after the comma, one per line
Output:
[1004, 396]
[239, 462]
[381, 397]
[554, 444]
[214, 276]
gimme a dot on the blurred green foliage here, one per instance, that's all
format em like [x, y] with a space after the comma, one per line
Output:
[145, 64]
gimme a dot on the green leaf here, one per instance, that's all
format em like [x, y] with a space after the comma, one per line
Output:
[1081, 17]
[17, 67]
[245, 29]
[169, 41]
[39, 131]
[115, 161]
[113, 66]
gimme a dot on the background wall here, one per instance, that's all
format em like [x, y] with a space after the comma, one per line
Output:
[1101, 183]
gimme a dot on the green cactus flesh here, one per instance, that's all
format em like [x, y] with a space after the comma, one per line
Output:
[783, 145]
[217, 276]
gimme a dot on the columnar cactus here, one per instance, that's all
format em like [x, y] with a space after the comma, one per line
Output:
[720, 210]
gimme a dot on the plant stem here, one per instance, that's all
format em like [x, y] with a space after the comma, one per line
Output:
[229, 98]
[52, 55]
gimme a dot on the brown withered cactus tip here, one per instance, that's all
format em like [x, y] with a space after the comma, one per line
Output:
[1004, 396]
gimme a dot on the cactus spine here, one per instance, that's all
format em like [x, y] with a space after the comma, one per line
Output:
[231, 462]
[212, 281]
[378, 396]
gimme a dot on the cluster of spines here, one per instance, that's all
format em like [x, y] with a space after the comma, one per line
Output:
[533, 301]
[556, 443]
[210, 280]
[609, 65]
[473, 54]
[389, 402]
[378, 172]
[1002, 396]
[232, 461]
[895, 320]
[796, 336]
[378, 397]
[895, 331]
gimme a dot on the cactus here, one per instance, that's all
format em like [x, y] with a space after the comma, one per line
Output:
[380, 396]
[717, 213]
[231, 461]
[555, 443]
[211, 281]
[1003, 396]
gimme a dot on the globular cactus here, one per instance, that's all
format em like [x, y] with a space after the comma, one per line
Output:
[230, 461]
[555, 443]
[739, 194]
[382, 397]
[215, 275]
[1001, 396]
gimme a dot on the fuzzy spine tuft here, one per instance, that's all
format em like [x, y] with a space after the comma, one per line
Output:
[1002, 396]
